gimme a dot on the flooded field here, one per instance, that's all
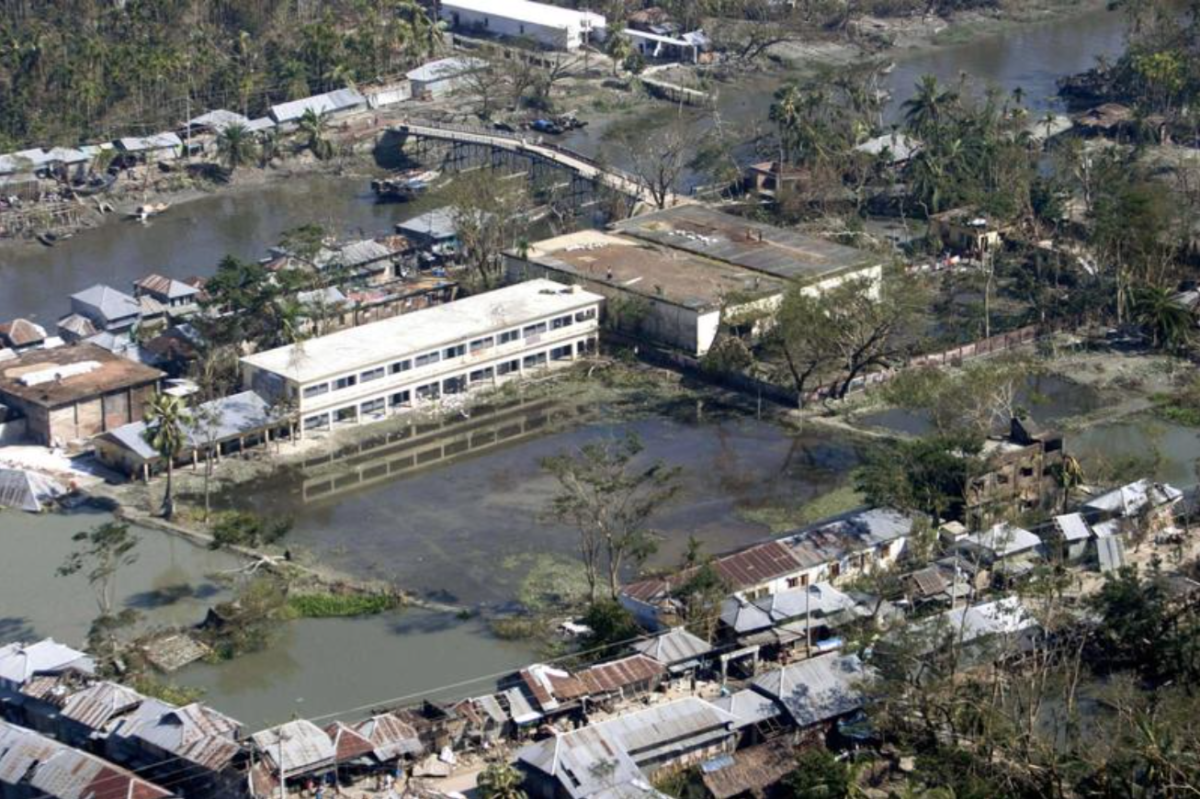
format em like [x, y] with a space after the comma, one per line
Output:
[1172, 448]
[464, 527]
[328, 666]
[1048, 398]
[169, 584]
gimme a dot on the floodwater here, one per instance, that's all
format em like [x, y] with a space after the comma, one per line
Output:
[1048, 398]
[466, 531]
[192, 237]
[319, 667]
[1177, 446]
[1031, 57]
[169, 584]
[188, 240]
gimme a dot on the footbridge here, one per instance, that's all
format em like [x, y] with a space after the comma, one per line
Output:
[536, 150]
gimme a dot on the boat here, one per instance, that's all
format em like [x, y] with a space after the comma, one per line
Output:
[97, 185]
[50, 238]
[406, 185]
[148, 210]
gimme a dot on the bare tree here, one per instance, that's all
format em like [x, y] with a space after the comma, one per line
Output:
[660, 160]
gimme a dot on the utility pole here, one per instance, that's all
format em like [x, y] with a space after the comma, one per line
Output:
[807, 622]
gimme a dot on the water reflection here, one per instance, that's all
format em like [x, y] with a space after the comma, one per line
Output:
[455, 528]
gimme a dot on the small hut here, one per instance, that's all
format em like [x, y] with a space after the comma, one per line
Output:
[28, 491]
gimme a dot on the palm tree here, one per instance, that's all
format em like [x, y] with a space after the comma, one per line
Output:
[167, 419]
[500, 781]
[619, 49]
[1169, 323]
[235, 146]
[786, 113]
[925, 111]
[313, 126]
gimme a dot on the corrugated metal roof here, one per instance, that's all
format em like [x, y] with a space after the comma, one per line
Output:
[742, 616]
[108, 302]
[1129, 500]
[445, 69]
[817, 600]
[328, 103]
[1111, 552]
[348, 744]
[79, 325]
[815, 690]
[305, 747]
[96, 705]
[21, 332]
[604, 756]
[756, 565]
[750, 707]
[19, 662]
[218, 120]
[159, 141]
[608, 677]
[194, 732]
[673, 646]
[1073, 527]
[22, 489]
[234, 415]
[833, 540]
[167, 287]
[390, 737]
[1004, 539]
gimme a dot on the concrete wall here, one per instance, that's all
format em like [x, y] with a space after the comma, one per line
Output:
[557, 38]
[13, 432]
[657, 321]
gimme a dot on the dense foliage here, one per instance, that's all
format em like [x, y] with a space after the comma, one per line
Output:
[74, 70]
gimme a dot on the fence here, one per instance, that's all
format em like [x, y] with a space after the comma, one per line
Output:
[784, 395]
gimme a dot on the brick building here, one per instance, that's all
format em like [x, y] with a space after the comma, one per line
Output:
[73, 393]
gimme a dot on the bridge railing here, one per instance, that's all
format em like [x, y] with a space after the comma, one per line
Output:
[481, 135]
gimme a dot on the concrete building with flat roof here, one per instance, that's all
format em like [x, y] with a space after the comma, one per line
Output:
[73, 393]
[673, 277]
[423, 358]
[815, 263]
[667, 296]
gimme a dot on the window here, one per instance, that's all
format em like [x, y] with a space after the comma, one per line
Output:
[533, 330]
[793, 582]
[480, 375]
[583, 316]
[401, 366]
[430, 391]
[482, 344]
[509, 335]
[454, 385]
[535, 360]
[372, 374]
[561, 322]
[586, 347]
[401, 398]
[374, 406]
[346, 414]
[561, 353]
[345, 382]
[1027, 471]
[457, 351]
[316, 391]
[508, 367]
[315, 422]
[428, 358]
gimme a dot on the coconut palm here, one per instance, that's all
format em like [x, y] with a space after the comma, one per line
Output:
[313, 126]
[167, 419]
[1169, 322]
[786, 113]
[619, 48]
[236, 146]
[925, 111]
[500, 781]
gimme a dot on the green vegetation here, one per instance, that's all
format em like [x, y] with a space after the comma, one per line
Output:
[180, 695]
[929, 474]
[328, 605]
[782, 518]
[76, 72]
[246, 529]
[101, 554]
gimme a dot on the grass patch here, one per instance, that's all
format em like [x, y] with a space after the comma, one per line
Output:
[327, 606]
[781, 518]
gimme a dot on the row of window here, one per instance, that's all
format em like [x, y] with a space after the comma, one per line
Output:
[449, 353]
[451, 385]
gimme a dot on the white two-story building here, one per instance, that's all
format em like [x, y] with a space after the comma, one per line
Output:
[420, 359]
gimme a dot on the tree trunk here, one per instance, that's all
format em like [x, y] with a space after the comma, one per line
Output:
[168, 505]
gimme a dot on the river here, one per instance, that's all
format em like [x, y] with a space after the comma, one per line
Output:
[190, 239]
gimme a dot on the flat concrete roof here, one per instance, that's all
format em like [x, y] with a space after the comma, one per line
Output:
[98, 372]
[420, 331]
[639, 267]
[772, 250]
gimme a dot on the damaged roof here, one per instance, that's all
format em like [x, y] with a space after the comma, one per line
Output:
[815, 690]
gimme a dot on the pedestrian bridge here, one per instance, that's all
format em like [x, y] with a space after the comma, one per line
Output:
[587, 168]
